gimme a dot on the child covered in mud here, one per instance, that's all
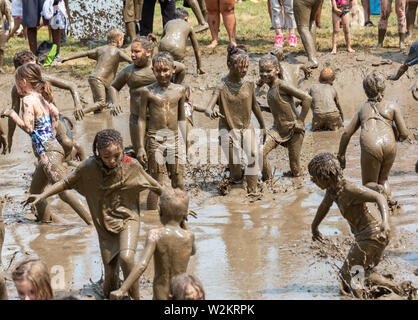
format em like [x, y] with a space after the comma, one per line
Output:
[327, 113]
[340, 11]
[32, 280]
[186, 287]
[289, 128]
[66, 141]
[371, 235]
[174, 38]
[378, 118]
[108, 58]
[137, 75]
[160, 116]
[171, 246]
[236, 100]
[111, 183]
[39, 121]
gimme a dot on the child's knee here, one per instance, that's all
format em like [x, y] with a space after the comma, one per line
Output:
[126, 257]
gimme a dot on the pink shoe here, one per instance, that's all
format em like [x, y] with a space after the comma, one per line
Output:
[292, 40]
[278, 41]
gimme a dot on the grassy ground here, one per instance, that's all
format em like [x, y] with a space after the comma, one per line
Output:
[253, 29]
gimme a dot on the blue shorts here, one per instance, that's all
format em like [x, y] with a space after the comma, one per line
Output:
[412, 55]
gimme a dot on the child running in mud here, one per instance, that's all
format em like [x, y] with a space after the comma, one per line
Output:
[186, 287]
[327, 113]
[108, 58]
[111, 183]
[289, 128]
[371, 235]
[32, 280]
[376, 117]
[340, 11]
[174, 38]
[39, 120]
[160, 116]
[171, 246]
[137, 75]
[236, 100]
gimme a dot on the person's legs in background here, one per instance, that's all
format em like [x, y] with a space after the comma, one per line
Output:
[411, 14]
[226, 7]
[146, 24]
[366, 10]
[213, 20]
[168, 10]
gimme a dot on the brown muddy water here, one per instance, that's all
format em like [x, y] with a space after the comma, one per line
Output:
[245, 250]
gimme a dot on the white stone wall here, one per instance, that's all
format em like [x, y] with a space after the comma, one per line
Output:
[94, 18]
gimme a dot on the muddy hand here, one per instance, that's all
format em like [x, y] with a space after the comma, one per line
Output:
[116, 295]
[341, 160]
[142, 156]
[193, 214]
[6, 112]
[115, 109]
[78, 113]
[317, 236]
[299, 126]
[200, 71]
[33, 199]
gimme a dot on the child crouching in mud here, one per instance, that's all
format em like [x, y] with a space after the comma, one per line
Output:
[171, 246]
[371, 235]
[111, 183]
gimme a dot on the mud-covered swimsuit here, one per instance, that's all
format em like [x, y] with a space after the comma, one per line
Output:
[412, 55]
[344, 6]
[42, 133]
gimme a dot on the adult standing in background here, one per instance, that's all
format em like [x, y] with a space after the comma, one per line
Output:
[132, 12]
[215, 9]
[411, 14]
[385, 10]
[366, 10]
[168, 8]
[31, 16]
[305, 13]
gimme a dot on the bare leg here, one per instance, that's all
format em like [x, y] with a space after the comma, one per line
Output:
[214, 21]
[99, 95]
[384, 174]
[56, 38]
[76, 204]
[346, 29]
[129, 242]
[335, 31]
[130, 30]
[370, 168]
[269, 145]
[295, 147]
[3, 288]
[111, 277]
[410, 18]
[202, 5]
[32, 35]
[37, 186]
[228, 16]
[152, 201]
[366, 9]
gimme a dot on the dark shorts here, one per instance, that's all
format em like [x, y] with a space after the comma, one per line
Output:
[32, 13]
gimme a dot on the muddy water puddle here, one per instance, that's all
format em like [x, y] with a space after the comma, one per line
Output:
[258, 250]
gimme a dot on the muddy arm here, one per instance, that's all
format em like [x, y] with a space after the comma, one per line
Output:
[70, 86]
[11, 124]
[211, 105]
[258, 115]
[180, 72]
[400, 124]
[323, 210]
[117, 84]
[196, 50]
[142, 118]
[345, 138]
[54, 189]
[139, 268]
[402, 69]
[124, 57]
[301, 95]
[92, 54]
[337, 103]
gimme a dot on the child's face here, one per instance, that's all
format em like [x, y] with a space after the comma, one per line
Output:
[119, 42]
[111, 155]
[25, 290]
[23, 87]
[192, 293]
[139, 55]
[240, 68]
[163, 73]
[268, 72]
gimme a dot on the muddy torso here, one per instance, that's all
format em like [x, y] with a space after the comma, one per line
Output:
[171, 257]
[235, 104]
[108, 58]
[163, 106]
[377, 136]
[323, 96]
[363, 224]
[175, 37]
[281, 108]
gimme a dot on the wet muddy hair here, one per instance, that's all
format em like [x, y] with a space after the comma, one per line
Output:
[163, 57]
[374, 85]
[32, 73]
[277, 52]
[36, 272]
[174, 204]
[327, 75]
[179, 283]
[147, 43]
[23, 57]
[269, 59]
[236, 54]
[114, 35]
[105, 138]
[325, 166]
[181, 13]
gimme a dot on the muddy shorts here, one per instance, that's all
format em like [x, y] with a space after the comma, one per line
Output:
[326, 121]
[163, 153]
[99, 90]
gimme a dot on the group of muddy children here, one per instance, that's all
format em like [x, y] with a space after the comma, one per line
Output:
[111, 181]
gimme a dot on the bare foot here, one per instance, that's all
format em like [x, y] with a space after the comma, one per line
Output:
[213, 44]
[334, 51]
[351, 50]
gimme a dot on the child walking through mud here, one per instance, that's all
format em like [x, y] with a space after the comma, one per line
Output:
[171, 246]
[111, 183]
[378, 118]
[340, 11]
[108, 58]
[174, 38]
[39, 120]
[236, 100]
[371, 235]
[289, 128]
[160, 117]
